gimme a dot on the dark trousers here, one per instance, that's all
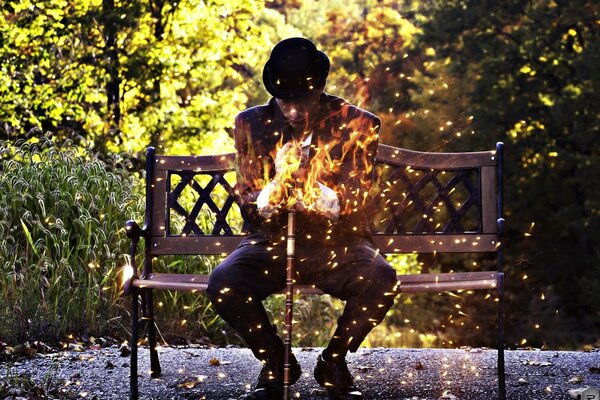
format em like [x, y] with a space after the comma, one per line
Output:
[356, 274]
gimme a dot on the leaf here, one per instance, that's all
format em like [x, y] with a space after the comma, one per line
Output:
[448, 396]
[537, 363]
[124, 350]
[29, 238]
[576, 379]
[189, 383]
[214, 361]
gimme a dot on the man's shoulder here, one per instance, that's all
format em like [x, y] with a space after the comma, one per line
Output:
[350, 111]
[256, 113]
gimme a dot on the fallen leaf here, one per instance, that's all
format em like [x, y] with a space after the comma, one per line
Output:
[75, 347]
[448, 396]
[188, 383]
[419, 366]
[41, 347]
[214, 361]
[538, 363]
[576, 379]
[24, 350]
[124, 350]
[595, 370]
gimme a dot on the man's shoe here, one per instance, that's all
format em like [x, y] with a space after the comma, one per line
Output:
[335, 377]
[270, 380]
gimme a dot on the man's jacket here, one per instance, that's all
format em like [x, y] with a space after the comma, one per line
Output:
[343, 147]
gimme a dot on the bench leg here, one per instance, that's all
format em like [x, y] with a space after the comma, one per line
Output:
[155, 369]
[500, 325]
[133, 374]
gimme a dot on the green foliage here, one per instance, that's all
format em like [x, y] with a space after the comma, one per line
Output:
[527, 70]
[50, 77]
[61, 223]
[124, 75]
[370, 44]
[446, 75]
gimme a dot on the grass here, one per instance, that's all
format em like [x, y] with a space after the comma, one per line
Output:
[62, 212]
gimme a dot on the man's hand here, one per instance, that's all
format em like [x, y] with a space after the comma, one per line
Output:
[266, 202]
[327, 204]
[291, 169]
[291, 162]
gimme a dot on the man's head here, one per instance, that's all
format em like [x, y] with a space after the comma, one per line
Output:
[295, 75]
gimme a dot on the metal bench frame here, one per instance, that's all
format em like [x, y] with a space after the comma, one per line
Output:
[412, 169]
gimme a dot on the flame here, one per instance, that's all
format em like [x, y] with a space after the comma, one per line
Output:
[341, 160]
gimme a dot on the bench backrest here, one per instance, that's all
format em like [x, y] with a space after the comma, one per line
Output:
[422, 202]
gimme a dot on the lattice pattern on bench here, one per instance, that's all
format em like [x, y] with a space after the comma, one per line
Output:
[419, 201]
[207, 196]
[405, 201]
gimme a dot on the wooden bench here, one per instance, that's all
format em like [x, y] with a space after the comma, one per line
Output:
[422, 203]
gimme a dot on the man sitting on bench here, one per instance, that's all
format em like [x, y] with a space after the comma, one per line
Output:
[320, 149]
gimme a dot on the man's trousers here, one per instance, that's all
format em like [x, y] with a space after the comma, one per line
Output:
[356, 274]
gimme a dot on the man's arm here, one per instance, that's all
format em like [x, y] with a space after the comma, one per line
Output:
[358, 157]
[248, 171]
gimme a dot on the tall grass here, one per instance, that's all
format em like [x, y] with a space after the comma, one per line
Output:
[62, 212]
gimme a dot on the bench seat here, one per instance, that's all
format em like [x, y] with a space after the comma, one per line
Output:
[408, 283]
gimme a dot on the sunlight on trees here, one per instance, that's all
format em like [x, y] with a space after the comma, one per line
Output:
[120, 75]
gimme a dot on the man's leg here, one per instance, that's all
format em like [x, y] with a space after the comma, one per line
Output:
[236, 289]
[368, 284]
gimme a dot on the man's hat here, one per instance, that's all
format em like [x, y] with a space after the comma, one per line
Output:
[295, 69]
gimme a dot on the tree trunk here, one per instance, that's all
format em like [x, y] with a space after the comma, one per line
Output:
[112, 68]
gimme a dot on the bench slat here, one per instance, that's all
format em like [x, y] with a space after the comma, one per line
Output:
[448, 286]
[209, 163]
[489, 213]
[448, 277]
[418, 159]
[408, 283]
[387, 244]
[385, 153]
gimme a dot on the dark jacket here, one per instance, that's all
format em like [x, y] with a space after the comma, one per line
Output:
[350, 135]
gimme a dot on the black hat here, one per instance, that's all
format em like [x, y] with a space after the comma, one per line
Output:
[295, 69]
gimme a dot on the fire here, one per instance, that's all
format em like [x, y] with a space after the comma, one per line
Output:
[334, 180]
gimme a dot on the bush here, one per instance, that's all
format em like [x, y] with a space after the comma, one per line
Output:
[62, 213]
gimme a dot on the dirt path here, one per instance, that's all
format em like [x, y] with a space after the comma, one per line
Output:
[228, 373]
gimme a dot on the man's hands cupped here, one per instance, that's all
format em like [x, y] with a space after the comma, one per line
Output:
[294, 186]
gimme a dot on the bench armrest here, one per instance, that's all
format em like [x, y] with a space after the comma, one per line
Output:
[134, 232]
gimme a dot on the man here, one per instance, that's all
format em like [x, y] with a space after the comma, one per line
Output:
[314, 149]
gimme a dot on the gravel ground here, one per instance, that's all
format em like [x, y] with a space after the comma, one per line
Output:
[228, 373]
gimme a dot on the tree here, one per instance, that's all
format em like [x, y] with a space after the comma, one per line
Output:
[50, 76]
[527, 68]
[125, 74]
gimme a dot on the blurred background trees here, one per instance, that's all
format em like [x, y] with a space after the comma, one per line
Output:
[116, 76]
